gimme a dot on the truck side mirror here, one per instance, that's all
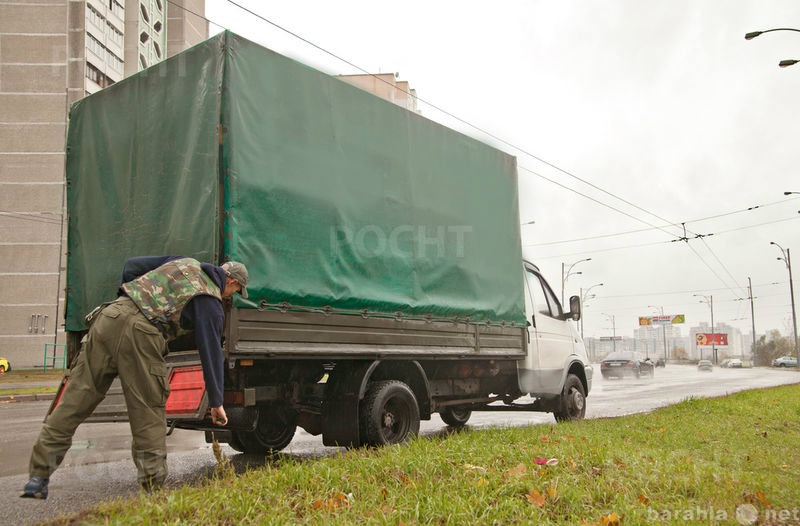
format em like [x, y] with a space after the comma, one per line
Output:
[574, 308]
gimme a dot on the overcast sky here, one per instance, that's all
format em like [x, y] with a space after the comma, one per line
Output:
[628, 118]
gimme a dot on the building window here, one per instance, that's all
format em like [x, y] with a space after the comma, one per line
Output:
[97, 76]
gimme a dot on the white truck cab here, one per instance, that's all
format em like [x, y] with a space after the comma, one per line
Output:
[555, 348]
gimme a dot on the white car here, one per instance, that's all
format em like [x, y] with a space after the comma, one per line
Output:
[785, 361]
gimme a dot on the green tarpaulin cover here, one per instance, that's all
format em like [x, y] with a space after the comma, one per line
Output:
[331, 196]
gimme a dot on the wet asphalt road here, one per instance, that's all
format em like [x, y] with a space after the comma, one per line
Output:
[98, 466]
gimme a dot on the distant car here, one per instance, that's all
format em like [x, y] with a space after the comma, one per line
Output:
[734, 363]
[661, 362]
[705, 365]
[725, 363]
[4, 365]
[785, 361]
[626, 363]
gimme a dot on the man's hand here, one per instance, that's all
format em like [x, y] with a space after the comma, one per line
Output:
[218, 416]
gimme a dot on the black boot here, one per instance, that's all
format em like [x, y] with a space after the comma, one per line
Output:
[36, 488]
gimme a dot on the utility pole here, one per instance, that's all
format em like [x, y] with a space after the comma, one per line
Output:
[614, 332]
[753, 319]
[710, 300]
[713, 336]
[663, 329]
[787, 258]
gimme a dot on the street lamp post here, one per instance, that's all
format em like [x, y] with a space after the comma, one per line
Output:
[787, 258]
[613, 331]
[663, 329]
[585, 295]
[566, 274]
[783, 63]
[710, 301]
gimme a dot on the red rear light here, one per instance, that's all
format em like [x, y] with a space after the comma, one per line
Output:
[186, 390]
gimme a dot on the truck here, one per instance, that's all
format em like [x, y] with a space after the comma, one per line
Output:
[387, 282]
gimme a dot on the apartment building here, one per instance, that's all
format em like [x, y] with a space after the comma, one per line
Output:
[52, 53]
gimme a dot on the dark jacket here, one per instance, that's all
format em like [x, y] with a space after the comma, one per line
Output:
[203, 315]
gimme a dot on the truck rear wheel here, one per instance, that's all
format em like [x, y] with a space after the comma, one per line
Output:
[274, 431]
[389, 413]
[454, 416]
[572, 405]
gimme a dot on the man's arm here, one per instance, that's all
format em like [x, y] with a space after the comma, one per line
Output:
[207, 316]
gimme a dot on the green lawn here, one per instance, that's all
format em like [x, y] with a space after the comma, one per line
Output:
[697, 462]
[17, 376]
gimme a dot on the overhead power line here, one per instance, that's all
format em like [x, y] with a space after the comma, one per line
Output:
[453, 116]
[484, 132]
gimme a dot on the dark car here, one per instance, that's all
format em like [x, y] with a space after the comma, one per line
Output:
[626, 363]
[661, 362]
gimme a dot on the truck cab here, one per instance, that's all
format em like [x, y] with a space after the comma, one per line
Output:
[555, 344]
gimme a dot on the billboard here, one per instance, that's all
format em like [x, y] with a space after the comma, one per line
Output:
[707, 339]
[668, 319]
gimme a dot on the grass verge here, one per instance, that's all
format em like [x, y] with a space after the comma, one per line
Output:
[28, 390]
[698, 462]
[20, 376]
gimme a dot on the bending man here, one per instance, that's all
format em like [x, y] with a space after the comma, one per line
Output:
[160, 298]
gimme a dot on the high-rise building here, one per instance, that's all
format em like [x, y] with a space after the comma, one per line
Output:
[52, 53]
[387, 86]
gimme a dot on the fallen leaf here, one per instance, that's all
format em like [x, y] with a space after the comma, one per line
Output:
[643, 499]
[517, 471]
[536, 498]
[763, 499]
[470, 467]
[340, 500]
[552, 492]
[612, 519]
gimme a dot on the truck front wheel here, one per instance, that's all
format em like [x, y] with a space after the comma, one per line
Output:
[572, 405]
[389, 413]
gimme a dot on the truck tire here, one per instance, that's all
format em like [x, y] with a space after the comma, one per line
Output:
[388, 414]
[274, 431]
[454, 416]
[572, 405]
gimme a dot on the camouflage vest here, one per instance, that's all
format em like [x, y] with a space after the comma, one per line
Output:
[162, 294]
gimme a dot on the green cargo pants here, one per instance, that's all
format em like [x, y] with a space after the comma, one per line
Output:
[121, 342]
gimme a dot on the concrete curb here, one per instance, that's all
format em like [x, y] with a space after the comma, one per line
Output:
[26, 397]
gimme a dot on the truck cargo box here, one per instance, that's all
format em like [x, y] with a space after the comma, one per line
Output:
[337, 201]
